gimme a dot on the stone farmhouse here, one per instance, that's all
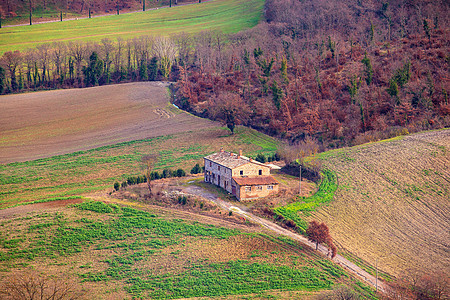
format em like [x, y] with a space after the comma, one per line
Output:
[241, 176]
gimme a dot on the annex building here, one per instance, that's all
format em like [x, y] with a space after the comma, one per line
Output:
[241, 176]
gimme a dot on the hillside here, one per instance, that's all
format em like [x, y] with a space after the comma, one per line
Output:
[44, 124]
[392, 204]
[229, 16]
[107, 251]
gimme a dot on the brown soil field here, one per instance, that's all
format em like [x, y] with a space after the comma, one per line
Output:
[44, 124]
[392, 204]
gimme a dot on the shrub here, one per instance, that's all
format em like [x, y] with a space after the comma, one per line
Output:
[124, 184]
[180, 173]
[196, 169]
[166, 173]
[261, 158]
[116, 186]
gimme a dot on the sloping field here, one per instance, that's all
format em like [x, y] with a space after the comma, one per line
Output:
[112, 252]
[392, 203]
[225, 15]
[86, 172]
[44, 124]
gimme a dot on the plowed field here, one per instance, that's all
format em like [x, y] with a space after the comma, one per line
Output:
[44, 124]
[392, 203]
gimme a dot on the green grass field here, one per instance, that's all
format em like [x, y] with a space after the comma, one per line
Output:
[85, 172]
[229, 16]
[121, 253]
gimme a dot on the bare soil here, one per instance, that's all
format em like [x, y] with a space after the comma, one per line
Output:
[392, 204]
[44, 124]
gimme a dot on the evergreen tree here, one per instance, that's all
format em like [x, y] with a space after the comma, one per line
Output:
[153, 69]
[277, 94]
[143, 72]
[93, 71]
[2, 80]
[368, 71]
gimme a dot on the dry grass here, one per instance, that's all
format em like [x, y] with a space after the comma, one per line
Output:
[393, 202]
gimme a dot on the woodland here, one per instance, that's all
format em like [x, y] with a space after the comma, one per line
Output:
[343, 72]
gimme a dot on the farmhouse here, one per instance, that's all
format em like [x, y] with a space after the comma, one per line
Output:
[239, 175]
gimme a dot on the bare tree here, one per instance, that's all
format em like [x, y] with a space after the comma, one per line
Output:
[12, 60]
[149, 162]
[165, 50]
[32, 285]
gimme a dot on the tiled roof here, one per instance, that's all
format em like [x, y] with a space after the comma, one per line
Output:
[255, 180]
[228, 159]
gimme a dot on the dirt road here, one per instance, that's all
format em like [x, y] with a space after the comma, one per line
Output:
[343, 262]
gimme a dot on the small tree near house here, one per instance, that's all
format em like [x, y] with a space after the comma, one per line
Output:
[149, 162]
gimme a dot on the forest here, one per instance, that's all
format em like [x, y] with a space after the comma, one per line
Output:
[343, 72]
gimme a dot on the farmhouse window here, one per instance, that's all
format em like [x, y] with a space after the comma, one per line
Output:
[248, 188]
[218, 168]
[270, 187]
[210, 164]
[241, 172]
[259, 187]
[260, 172]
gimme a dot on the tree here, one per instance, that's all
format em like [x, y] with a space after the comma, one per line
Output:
[93, 71]
[339, 293]
[12, 61]
[231, 109]
[368, 71]
[196, 169]
[2, 79]
[31, 285]
[318, 233]
[149, 162]
[165, 50]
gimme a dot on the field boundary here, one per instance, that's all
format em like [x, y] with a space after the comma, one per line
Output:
[325, 194]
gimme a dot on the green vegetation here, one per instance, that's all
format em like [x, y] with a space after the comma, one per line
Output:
[84, 172]
[131, 249]
[229, 16]
[294, 211]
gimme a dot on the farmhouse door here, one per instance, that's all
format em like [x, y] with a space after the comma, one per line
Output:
[233, 190]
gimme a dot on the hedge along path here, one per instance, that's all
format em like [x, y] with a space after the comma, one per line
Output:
[228, 16]
[297, 211]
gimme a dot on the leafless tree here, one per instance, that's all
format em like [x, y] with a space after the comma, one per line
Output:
[32, 285]
[149, 162]
[165, 50]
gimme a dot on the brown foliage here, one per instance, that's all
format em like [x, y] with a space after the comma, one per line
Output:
[32, 285]
[318, 233]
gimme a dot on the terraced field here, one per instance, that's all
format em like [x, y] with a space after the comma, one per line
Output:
[228, 16]
[392, 204]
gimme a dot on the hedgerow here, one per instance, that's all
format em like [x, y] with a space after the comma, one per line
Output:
[325, 194]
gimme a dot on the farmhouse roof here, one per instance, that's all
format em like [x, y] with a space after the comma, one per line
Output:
[228, 159]
[255, 180]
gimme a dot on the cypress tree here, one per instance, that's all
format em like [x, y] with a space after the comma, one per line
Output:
[368, 72]
[2, 80]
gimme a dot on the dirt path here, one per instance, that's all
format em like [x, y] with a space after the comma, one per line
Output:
[343, 262]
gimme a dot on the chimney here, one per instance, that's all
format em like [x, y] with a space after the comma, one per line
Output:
[240, 153]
